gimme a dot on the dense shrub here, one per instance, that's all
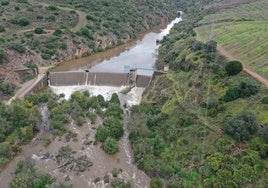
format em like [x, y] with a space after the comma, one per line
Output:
[17, 46]
[2, 29]
[4, 2]
[233, 67]
[6, 88]
[38, 30]
[156, 183]
[264, 133]
[244, 88]
[23, 21]
[264, 100]
[2, 55]
[22, 1]
[52, 7]
[57, 32]
[102, 133]
[110, 146]
[242, 126]
[115, 99]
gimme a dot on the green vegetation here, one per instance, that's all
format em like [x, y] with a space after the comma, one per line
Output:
[112, 128]
[18, 124]
[183, 133]
[242, 126]
[233, 68]
[264, 100]
[6, 89]
[26, 175]
[38, 30]
[17, 46]
[4, 2]
[243, 88]
[2, 29]
[110, 146]
[241, 31]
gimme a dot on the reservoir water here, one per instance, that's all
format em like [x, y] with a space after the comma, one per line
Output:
[140, 54]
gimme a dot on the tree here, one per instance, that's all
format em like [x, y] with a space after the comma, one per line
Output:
[38, 30]
[102, 133]
[23, 21]
[2, 29]
[233, 68]
[110, 146]
[115, 99]
[264, 100]
[244, 88]
[242, 126]
[264, 133]
[115, 111]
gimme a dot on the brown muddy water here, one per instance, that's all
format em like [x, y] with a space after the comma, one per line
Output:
[82, 145]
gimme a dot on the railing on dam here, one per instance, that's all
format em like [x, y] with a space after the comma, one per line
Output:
[96, 78]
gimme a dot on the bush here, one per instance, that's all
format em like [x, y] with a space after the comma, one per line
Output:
[115, 99]
[22, 1]
[80, 121]
[233, 68]
[244, 88]
[38, 30]
[156, 183]
[6, 88]
[242, 126]
[102, 133]
[23, 21]
[46, 56]
[17, 46]
[264, 133]
[2, 29]
[52, 7]
[264, 100]
[57, 32]
[2, 55]
[4, 2]
[110, 146]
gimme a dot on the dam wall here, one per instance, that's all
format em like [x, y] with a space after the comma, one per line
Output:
[96, 78]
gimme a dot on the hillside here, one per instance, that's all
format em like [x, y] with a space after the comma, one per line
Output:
[242, 31]
[198, 125]
[46, 32]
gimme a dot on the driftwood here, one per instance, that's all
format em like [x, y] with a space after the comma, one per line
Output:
[67, 163]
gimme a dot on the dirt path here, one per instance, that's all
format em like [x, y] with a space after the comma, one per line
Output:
[255, 75]
[26, 87]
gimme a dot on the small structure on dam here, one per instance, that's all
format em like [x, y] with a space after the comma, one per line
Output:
[98, 79]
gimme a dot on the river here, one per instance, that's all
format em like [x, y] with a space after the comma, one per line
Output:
[141, 53]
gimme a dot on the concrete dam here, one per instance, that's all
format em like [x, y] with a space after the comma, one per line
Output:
[98, 79]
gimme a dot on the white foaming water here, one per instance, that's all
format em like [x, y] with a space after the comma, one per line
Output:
[132, 98]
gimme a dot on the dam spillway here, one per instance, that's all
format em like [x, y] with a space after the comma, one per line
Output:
[77, 78]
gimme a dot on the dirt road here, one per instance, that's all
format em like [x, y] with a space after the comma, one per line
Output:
[255, 75]
[26, 87]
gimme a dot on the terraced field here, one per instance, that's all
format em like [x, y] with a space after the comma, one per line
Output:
[243, 32]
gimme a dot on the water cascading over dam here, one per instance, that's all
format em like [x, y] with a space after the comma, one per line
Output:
[98, 79]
